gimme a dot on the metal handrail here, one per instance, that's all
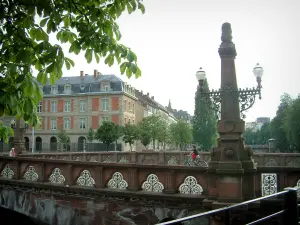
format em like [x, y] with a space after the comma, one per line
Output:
[227, 208]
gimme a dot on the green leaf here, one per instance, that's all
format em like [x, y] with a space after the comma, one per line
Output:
[89, 55]
[128, 72]
[111, 60]
[130, 56]
[133, 68]
[141, 7]
[70, 61]
[42, 77]
[129, 8]
[97, 57]
[44, 21]
[138, 73]
[66, 21]
[68, 66]
[123, 68]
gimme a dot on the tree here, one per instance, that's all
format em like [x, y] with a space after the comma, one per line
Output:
[181, 133]
[88, 26]
[91, 135]
[108, 132]
[277, 128]
[63, 138]
[163, 136]
[292, 124]
[204, 122]
[258, 137]
[130, 134]
[154, 126]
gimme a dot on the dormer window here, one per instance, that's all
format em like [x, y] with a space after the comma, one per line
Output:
[67, 89]
[54, 89]
[106, 88]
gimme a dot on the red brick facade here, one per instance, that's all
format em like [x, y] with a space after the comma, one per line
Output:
[115, 119]
[95, 122]
[95, 104]
[115, 103]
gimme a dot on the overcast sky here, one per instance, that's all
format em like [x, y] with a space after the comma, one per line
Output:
[175, 37]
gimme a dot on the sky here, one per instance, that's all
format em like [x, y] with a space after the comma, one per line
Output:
[174, 38]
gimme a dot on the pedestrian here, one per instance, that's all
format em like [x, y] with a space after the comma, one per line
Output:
[12, 152]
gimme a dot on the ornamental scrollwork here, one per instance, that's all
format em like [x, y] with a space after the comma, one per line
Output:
[7, 172]
[117, 182]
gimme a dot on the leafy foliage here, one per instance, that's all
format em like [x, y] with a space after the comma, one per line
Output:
[63, 137]
[5, 132]
[130, 134]
[259, 137]
[292, 124]
[204, 122]
[277, 128]
[153, 128]
[91, 135]
[181, 133]
[87, 26]
[108, 132]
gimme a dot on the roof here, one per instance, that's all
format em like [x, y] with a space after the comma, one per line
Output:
[85, 84]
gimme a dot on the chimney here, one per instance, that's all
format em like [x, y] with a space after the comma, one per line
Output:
[95, 74]
[152, 97]
[81, 74]
[142, 92]
[148, 94]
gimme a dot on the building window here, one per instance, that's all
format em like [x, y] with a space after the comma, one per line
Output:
[82, 105]
[67, 89]
[82, 123]
[106, 88]
[128, 121]
[67, 107]
[40, 107]
[129, 106]
[124, 105]
[132, 108]
[124, 120]
[53, 124]
[104, 104]
[53, 106]
[132, 121]
[54, 89]
[67, 123]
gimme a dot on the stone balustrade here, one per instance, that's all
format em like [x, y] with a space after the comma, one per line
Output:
[121, 177]
[180, 158]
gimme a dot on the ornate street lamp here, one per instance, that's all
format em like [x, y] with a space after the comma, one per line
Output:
[246, 96]
[232, 168]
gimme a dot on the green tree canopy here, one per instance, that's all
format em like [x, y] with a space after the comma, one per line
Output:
[292, 124]
[91, 135]
[87, 26]
[130, 134]
[277, 128]
[181, 133]
[204, 122]
[258, 137]
[153, 125]
[107, 133]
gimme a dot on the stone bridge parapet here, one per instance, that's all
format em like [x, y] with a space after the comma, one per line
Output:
[180, 158]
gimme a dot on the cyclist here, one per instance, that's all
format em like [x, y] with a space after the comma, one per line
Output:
[195, 153]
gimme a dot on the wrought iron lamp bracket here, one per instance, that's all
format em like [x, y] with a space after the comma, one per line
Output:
[246, 97]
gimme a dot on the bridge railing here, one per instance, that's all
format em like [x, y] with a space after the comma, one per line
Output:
[182, 158]
[288, 213]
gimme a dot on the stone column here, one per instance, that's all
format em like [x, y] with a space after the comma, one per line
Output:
[231, 161]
